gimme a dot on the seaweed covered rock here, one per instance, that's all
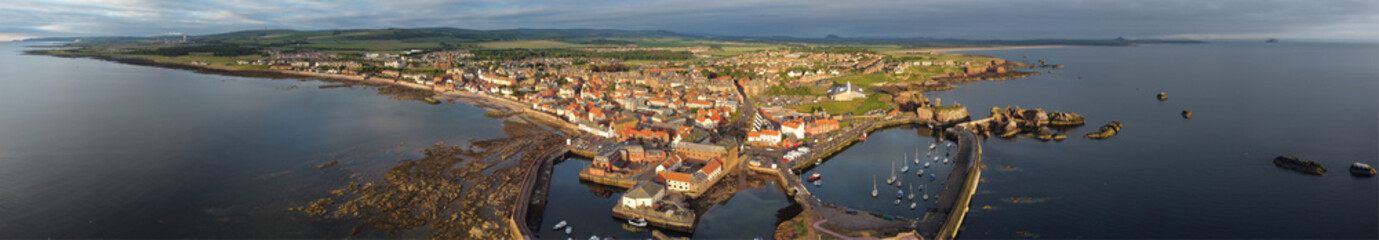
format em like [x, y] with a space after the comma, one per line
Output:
[1106, 131]
[1187, 114]
[1162, 96]
[1066, 119]
[1300, 165]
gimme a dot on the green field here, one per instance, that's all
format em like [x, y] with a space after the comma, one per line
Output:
[874, 101]
[534, 44]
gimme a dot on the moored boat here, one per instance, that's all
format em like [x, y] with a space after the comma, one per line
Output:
[560, 224]
[1361, 169]
[638, 222]
[814, 177]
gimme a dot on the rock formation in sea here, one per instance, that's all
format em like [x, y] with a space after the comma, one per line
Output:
[1300, 165]
[1106, 131]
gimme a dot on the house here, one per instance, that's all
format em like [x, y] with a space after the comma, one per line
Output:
[846, 93]
[764, 136]
[821, 126]
[675, 181]
[699, 151]
[644, 194]
[793, 128]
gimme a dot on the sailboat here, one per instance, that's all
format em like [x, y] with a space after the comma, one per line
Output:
[926, 195]
[912, 192]
[892, 179]
[921, 172]
[945, 160]
[926, 165]
[873, 186]
[916, 156]
[912, 205]
[818, 183]
[905, 168]
[561, 224]
[933, 146]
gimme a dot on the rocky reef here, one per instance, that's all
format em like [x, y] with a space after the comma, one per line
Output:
[1110, 129]
[1162, 96]
[1187, 114]
[1300, 165]
[1036, 123]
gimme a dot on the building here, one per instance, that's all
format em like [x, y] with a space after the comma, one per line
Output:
[846, 93]
[699, 151]
[793, 128]
[821, 126]
[764, 137]
[644, 194]
[675, 181]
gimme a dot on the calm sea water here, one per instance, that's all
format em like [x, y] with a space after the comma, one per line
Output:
[1168, 177]
[91, 148]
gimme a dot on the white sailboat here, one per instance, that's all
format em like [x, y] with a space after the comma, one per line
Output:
[873, 186]
[568, 230]
[926, 165]
[560, 224]
[913, 205]
[891, 180]
[912, 193]
[933, 146]
[905, 168]
[916, 156]
[945, 160]
[926, 195]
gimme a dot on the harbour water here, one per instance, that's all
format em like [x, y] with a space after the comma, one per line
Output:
[848, 176]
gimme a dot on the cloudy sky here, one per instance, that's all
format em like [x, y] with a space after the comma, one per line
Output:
[1345, 20]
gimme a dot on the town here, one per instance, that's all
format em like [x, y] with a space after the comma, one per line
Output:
[669, 123]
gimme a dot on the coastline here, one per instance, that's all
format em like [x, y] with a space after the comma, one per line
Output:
[487, 102]
[957, 49]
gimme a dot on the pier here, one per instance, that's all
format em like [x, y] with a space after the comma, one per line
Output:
[535, 188]
[944, 220]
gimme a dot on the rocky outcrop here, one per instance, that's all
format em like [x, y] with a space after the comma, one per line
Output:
[1163, 96]
[1013, 121]
[1187, 114]
[1106, 131]
[1297, 164]
[1362, 169]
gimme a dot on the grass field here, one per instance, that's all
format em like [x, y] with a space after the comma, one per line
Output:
[533, 44]
[874, 101]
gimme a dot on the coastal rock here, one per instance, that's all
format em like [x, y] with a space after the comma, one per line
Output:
[1360, 169]
[1296, 164]
[1163, 96]
[1106, 131]
[1187, 114]
[1066, 119]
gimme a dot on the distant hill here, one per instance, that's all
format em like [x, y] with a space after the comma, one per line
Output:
[446, 34]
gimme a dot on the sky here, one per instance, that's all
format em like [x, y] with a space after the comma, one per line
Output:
[1336, 20]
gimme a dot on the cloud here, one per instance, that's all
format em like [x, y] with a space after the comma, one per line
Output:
[984, 19]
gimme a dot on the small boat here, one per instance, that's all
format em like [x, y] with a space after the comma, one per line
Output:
[933, 146]
[892, 179]
[864, 136]
[898, 183]
[815, 177]
[945, 160]
[560, 224]
[595, 237]
[926, 165]
[897, 201]
[899, 193]
[568, 230]
[819, 183]
[1361, 169]
[904, 168]
[935, 158]
[638, 222]
[921, 172]
[912, 205]
[926, 197]
[873, 186]
[912, 193]
[916, 156]
[931, 177]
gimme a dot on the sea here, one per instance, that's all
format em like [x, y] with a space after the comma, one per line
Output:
[92, 148]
